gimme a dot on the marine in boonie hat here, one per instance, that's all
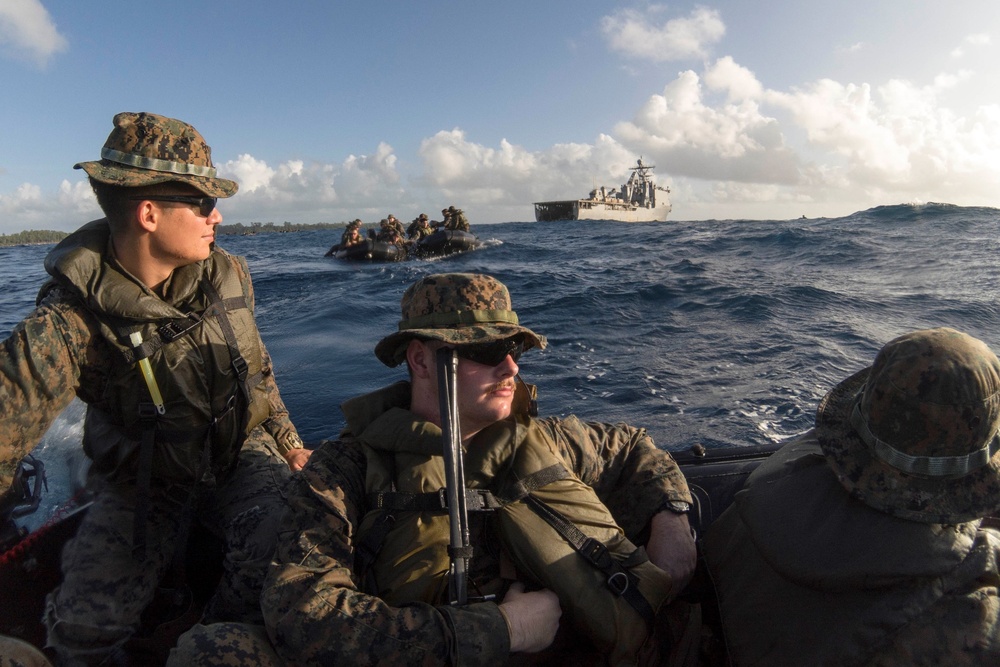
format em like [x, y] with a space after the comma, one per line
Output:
[915, 435]
[145, 149]
[456, 308]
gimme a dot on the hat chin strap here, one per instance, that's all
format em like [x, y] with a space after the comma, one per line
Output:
[927, 466]
[156, 164]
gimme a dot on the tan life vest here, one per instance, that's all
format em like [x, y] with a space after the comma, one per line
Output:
[203, 348]
[600, 582]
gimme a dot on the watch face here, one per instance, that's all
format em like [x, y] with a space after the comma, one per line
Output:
[678, 506]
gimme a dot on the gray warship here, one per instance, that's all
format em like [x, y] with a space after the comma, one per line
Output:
[637, 201]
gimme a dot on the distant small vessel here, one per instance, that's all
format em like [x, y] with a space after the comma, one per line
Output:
[440, 243]
[637, 201]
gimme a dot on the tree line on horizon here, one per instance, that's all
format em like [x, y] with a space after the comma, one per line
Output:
[32, 237]
[270, 228]
[42, 236]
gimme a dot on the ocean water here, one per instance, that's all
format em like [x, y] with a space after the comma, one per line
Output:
[721, 333]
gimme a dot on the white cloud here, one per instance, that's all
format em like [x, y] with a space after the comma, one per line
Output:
[313, 192]
[731, 141]
[737, 81]
[636, 34]
[28, 33]
[73, 205]
[510, 176]
[976, 40]
[248, 171]
[900, 137]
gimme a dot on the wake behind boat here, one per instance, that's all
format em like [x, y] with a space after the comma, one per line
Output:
[637, 201]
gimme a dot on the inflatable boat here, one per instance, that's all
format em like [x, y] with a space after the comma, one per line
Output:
[30, 560]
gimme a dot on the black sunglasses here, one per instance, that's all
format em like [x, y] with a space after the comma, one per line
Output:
[492, 354]
[205, 204]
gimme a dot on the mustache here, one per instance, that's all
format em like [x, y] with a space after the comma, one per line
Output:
[503, 384]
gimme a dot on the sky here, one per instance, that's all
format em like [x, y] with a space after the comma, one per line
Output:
[326, 112]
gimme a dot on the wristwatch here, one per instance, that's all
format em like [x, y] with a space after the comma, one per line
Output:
[676, 506]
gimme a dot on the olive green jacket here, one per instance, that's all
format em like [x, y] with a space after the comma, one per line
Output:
[807, 575]
[315, 604]
[66, 347]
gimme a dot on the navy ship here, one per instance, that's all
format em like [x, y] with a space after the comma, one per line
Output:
[638, 200]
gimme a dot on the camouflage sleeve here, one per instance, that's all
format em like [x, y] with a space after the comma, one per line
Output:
[313, 607]
[629, 473]
[41, 365]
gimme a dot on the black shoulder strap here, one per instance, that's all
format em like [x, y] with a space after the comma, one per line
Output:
[621, 582]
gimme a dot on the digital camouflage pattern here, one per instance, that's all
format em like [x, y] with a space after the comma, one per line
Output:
[225, 645]
[930, 393]
[806, 575]
[456, 308]
[106, 586]
[59, 352]
[316, 609]
[146, 148]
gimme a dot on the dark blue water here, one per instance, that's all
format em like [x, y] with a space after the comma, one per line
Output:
[720, 333]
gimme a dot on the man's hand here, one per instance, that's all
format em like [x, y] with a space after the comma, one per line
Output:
[671, 547]
[532, 618]
[297, 457]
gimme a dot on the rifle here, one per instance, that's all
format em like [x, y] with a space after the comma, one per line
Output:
[459, 549]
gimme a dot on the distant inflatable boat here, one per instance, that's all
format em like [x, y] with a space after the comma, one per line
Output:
[446, 242]
[439, 244]
[369, 250]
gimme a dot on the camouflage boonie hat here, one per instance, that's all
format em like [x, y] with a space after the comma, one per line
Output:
[915, 435]
[457, 308]
[145, 149]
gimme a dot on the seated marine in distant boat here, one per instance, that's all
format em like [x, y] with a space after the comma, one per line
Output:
[637, 201]
[419, 228]
[454, 218]
[352, 234]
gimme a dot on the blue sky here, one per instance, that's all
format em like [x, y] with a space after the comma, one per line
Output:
[329, 111]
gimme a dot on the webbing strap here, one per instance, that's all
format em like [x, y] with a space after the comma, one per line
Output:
[366, 549]
[147, 417]
[523, 487]
[218, 307]
[621, 582]
[476, 500]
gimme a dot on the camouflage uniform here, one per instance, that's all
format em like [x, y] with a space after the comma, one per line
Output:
[315, 607]
[60, 351]
[317, 610]
[836, 552]
[456, 220]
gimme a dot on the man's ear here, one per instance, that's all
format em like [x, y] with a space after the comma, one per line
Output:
[419, 358]
[147, 213]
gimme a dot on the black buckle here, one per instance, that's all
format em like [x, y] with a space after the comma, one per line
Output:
[28, 496]
[241, 368]
[595, 552]
[173, 330]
